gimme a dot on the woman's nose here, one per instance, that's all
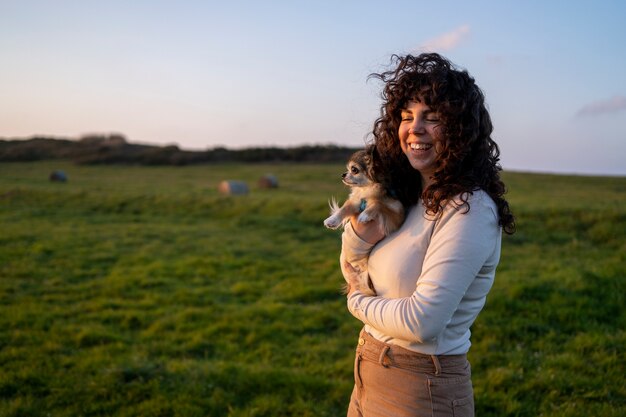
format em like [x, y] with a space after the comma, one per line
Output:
[417, 127]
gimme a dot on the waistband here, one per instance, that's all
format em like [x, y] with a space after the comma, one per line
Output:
[388, 355]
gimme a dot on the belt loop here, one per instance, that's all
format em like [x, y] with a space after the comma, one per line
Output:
[381, 358]
[436, 363]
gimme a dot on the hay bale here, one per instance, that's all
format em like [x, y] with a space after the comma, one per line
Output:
[58, 176]
[232, 187]
[268, 181]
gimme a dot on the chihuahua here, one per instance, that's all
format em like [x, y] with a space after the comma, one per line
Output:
[369, 199]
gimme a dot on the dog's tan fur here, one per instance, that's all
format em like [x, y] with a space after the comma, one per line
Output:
[365, 190]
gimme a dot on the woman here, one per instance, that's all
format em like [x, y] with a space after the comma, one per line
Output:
[433, 145]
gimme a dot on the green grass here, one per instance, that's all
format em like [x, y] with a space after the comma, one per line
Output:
[140, 291]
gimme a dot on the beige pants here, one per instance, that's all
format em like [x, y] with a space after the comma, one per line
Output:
[392, 381]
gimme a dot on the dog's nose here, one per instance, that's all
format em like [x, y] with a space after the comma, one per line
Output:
[344, 175]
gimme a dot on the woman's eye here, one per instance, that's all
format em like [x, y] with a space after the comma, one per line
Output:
[431, 118]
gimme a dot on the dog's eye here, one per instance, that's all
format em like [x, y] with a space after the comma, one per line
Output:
[354, 170]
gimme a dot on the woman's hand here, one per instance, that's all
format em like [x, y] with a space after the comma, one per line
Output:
[357, 278]
[369, 232]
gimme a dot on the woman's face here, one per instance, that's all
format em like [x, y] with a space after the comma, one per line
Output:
[418, 129]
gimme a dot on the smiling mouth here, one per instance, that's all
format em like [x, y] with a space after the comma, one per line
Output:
[420, 146]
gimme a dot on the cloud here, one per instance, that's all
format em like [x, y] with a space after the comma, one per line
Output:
[611, 105]
[447, 41]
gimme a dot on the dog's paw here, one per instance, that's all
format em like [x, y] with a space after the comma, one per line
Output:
[332, 222]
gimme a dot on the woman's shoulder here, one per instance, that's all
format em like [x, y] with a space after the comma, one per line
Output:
[478, 201]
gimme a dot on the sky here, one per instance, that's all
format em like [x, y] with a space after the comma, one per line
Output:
[202, 74]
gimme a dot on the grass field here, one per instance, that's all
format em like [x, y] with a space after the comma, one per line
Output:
[139, 291]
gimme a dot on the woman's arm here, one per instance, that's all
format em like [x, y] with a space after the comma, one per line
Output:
[459, 247]
[354, 255]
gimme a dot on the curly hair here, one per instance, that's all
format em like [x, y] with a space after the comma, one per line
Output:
[467, 157]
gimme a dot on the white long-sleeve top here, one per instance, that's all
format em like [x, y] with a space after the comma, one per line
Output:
[431, 276]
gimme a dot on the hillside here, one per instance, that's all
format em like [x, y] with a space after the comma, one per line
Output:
[115, 149]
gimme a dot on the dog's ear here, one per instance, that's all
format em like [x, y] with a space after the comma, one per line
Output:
[370, 169]
[368, 164]
[370, 150]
